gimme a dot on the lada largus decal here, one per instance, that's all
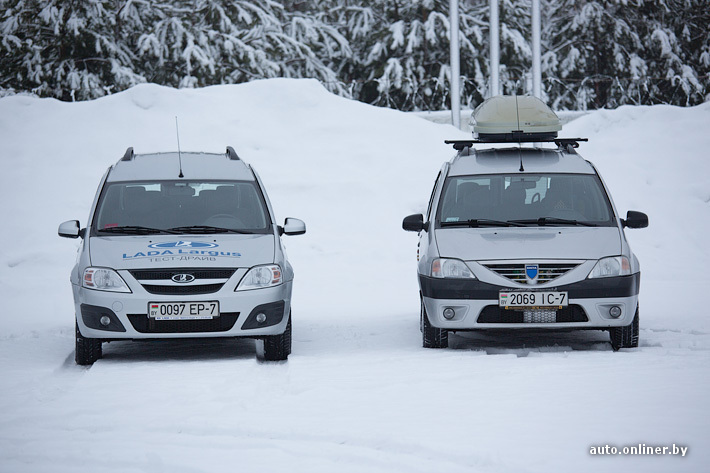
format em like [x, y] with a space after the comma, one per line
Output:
[182, 248]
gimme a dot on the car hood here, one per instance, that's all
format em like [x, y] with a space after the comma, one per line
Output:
[169, 251]
[477, 244]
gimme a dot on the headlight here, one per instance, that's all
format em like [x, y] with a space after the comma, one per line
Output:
[450, 268]
[610, 267]
[104, 279]
[261, 276]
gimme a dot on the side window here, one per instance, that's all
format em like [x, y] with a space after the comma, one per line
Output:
[431, 198]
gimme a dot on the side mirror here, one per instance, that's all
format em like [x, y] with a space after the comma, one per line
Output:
[294, 226]
[69, 229]
[635, 219]
[414, 223]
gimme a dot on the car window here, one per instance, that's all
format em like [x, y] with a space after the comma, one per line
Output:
[235, 205]
[579, 197]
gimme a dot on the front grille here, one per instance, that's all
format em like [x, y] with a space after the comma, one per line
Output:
[158, 281]
[144, 324]
[494, 314]
[546, 271]
[199, 273]
[183, 290]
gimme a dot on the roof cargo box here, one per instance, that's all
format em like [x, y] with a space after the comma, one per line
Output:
[516, 119]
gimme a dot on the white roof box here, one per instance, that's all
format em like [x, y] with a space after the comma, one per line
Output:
[516, 119]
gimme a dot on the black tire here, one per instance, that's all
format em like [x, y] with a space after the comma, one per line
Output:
[278, 347]
[87, 350]
[625, 337]
[432, 337]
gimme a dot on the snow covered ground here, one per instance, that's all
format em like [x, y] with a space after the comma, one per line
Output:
[358, 394]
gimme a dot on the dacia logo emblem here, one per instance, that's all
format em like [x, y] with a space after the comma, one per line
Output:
[531, 273]
[183, 278]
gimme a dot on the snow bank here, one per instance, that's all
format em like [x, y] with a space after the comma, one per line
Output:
[655, 159]
[358, 393]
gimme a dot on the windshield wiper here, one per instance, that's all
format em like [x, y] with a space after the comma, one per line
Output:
[481, 222]
[134, 230]
[554, 221]
[204, 229]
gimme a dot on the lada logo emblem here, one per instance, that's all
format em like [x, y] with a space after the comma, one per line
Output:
[531, 273]
[183, 244]
[183, 278]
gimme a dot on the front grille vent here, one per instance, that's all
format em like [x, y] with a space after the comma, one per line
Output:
[494, 314]
[159, 281]
[153, 274]
[144, 324]
[184, 289]
[546, 271]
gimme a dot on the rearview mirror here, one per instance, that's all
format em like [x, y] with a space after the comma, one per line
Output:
[414, 223]
[635, 219]
[294, 226]
[69, 229]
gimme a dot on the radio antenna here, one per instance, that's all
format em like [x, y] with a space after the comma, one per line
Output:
[520, 144]
[177, 132]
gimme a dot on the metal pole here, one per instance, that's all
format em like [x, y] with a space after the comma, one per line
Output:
[495, 49]
[455, 65]
[536, 69]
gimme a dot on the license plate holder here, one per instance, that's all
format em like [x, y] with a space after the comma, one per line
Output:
[204, 310]
[520, 300]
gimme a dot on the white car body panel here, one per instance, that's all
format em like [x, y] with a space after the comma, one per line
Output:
[472, 244]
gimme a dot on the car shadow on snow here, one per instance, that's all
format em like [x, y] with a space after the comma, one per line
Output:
[524, 342]
[203, 349]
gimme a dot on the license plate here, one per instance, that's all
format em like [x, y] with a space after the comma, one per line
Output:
[183, 310]
[532, 299]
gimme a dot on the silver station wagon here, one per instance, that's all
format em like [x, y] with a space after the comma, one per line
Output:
[181, 245]
[521, 232]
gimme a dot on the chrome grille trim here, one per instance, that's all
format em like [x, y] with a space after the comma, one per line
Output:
[547, 271]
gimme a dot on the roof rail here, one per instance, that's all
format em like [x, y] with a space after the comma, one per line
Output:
[231, 154]
[567, 142]
[128, 155]
[561, 142]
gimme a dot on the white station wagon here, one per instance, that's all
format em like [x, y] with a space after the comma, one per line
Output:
[520, 234]
[181, 245]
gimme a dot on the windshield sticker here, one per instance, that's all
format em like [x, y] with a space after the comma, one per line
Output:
[452, 219]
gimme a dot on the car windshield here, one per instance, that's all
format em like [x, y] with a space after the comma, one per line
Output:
[181, 207]
[530, 199]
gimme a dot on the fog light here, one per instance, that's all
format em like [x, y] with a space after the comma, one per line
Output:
[615, 311]
[105, 320]
[449, 313]
[261, 317]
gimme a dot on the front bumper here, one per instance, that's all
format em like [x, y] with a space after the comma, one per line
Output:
[129, 313]
[475, 304]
